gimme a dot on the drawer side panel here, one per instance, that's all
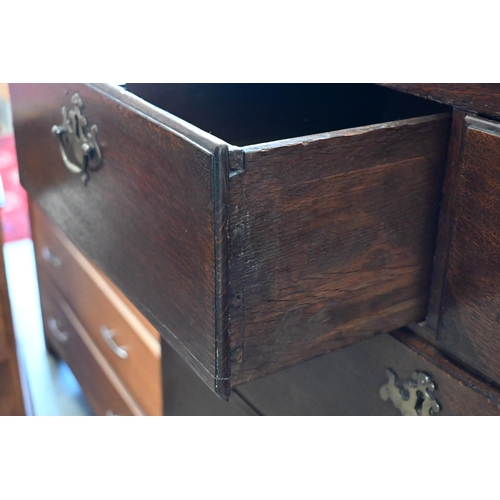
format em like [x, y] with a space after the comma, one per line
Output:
[332, 240]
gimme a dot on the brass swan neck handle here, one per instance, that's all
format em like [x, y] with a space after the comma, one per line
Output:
[72, 135]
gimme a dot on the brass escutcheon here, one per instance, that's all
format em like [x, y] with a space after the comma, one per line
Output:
[414, 398]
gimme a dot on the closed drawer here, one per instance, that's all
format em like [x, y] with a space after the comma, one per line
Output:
[365, 379]
[470, 307]
[127, 344]
[361, 380]
[103, 389]
[248, 258]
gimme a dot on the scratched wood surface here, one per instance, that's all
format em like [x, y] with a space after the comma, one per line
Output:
[470, 316]
[332, 240]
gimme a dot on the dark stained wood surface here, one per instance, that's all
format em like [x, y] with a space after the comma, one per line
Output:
[471, 298]
[446, 218]
[330, 235]
[483, 98]
[146, 217]
[331, 240]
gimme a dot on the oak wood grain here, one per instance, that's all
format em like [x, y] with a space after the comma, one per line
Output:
[146, 217]
[332, 240]
[470, 303]
[329, 234]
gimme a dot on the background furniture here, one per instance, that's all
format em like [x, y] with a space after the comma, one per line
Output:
[112, 350]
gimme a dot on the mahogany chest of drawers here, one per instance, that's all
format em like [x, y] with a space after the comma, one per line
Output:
[111, 348]
[273, 235]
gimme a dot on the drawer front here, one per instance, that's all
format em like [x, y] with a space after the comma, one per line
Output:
[121, 337]
[146, 215]
[470, 308]
[349, 382]
[101, 386]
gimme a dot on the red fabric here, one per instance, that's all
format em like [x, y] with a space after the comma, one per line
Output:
[15, 218]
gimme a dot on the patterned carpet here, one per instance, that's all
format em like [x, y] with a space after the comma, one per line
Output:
[15, 218]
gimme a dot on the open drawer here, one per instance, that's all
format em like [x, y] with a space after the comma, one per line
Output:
[309, 225]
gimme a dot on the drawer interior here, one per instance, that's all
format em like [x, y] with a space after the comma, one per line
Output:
[244, 114]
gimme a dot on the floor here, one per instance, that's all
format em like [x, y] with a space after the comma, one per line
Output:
[52, 386]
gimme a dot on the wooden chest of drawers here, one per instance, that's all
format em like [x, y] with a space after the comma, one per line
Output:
[252, 258]
[308, 226]
[113, 351]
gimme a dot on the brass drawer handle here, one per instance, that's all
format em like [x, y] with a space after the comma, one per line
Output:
[415, 398]
[58, 334]
[72, 133]
[108, 335]
[51, 259]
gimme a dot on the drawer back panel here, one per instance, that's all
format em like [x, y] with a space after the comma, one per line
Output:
[244, 114]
